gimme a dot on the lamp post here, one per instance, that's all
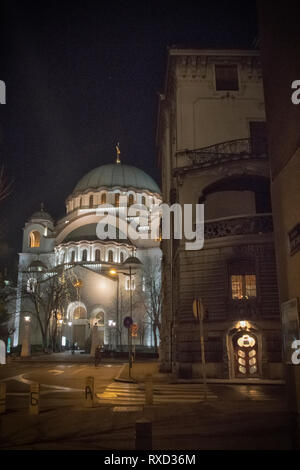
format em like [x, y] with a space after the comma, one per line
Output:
[111, 325]
[25, 352]
[70, 333]
[130, 263]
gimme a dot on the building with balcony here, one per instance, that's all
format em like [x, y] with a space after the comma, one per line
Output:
[212, 150]
[84, 279]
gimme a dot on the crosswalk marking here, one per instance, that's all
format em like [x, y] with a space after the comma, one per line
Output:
[129, 394]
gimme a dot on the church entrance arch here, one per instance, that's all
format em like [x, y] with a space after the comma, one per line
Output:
[77, 315]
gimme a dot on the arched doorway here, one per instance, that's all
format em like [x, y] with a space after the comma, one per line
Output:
[77, 316]
[244, 349]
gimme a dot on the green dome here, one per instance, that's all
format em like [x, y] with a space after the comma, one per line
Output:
[117, 175]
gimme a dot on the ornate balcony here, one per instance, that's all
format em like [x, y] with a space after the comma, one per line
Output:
[241, 149]
[238, 225]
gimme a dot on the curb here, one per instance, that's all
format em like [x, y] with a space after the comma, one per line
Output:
[118, 378]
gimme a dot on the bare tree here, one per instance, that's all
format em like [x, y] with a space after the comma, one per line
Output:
[151, 293]
[48, 295]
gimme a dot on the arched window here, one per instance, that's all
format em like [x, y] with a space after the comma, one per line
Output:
[91, 201]
[130, 200]
[97, 255]
[100, 318]
[110, 256]
[127, 284]
[103, 198]
[84, 255]
[31, 284]
[143, 200]
[117, 199]
[79, 313]
[73, 256]
[122, 257]
[34, 239]
[80, 202]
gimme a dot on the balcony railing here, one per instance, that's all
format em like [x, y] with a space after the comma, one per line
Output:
[241, 149]
[238, 225]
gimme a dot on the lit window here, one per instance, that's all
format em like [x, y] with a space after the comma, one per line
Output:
[237, 287]
[103, 198]
[91, 201]
[34, 239]
[143, 200]
[117, 199]
[243, 286]
[246, 341]
[227, 77]
[130, 200]
[250, 285]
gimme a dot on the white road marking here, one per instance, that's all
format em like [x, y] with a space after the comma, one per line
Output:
[127, 394]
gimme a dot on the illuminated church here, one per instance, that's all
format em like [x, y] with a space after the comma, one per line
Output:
[107, 273]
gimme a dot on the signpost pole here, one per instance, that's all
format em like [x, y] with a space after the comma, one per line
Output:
[198, 311]
[200, 316]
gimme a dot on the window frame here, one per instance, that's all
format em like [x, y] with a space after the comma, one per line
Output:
[216, 66]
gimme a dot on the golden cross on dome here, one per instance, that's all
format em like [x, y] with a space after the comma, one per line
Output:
[118, 153]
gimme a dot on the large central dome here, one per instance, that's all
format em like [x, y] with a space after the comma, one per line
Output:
[116, 175]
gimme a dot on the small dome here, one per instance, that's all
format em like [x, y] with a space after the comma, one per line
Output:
[41, 214]
[132, 261]
[116, 175]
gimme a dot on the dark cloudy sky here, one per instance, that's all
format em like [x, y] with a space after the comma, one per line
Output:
[81, 76]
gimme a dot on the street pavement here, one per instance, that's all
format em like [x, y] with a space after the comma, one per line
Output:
[232, 416]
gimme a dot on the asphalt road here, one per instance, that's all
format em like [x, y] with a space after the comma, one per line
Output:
[241, 416]
[59, 382]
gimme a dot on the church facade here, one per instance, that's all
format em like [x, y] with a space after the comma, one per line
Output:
[105, 277]
[212, 150]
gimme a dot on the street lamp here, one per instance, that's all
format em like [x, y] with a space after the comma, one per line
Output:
[111, 324]
[25, 352]
[70, 333]
[130, 263]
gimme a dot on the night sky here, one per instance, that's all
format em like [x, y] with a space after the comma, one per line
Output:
[81, 76]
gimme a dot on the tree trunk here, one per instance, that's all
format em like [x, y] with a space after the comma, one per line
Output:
[155, 337]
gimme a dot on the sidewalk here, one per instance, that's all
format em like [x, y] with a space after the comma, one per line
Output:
[141, 370]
